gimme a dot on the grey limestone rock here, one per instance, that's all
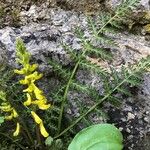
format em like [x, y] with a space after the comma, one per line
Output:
[143, 4]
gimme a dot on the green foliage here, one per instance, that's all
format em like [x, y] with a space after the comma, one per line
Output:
[113, 82]
[98, 137]
[54, 144]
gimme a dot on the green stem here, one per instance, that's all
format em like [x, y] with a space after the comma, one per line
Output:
[26, 137]
[65, 95]
[92, 108]
[26, 130]
[38, 137]
[109, 21]
[19, 145]
[67, 89]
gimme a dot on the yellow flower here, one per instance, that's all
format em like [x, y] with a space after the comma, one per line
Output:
[27, 69]
[22, 71]
[41, 104]
[38, 93]
[33, 67]
[10, 117]
[43, 130]
[6, 108]
[36, 117]
[15, 114]
[30, 88]
[28, 102]
[40, 122]
[31, 78]
[44, 106]
[16, 133]
[23, 81]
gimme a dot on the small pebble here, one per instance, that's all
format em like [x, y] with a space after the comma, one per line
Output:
[146, 119]
[130, 116]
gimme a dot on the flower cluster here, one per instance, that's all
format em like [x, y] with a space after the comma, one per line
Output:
[35, 96]
[9, 112]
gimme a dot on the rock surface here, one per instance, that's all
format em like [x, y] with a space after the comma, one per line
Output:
[43, 29]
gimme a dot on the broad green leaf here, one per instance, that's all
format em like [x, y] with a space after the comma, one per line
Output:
[98, 137]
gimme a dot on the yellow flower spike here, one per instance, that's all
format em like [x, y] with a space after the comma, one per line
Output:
[43, 130]
[16, 133]
[15, 114]
[36, 117]
[28, 102]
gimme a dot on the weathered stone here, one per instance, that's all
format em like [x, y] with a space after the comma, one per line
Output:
[113, 4]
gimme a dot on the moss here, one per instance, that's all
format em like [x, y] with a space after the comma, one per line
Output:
[147, 28]
[1, 12]
[147, 15]
[15, 17]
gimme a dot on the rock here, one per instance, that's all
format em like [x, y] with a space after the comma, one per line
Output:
[145, 4]
[130, 116]
[138, 15]
[113, 4]
[3, 55]
[81, 5]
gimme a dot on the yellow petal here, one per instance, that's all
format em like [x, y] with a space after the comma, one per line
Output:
[28, 102]
[24, 81]
[44, 106]
[33, 67]
[36, 117]
[15, 114]
[22, 71]
[32, 77]
[36, 102]
[41, 104]
[10, 117]
[4, 104]
[16, 133]
[6, 108]
[43, 130]
[30, 88]
[39, 96]
[37, 91]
